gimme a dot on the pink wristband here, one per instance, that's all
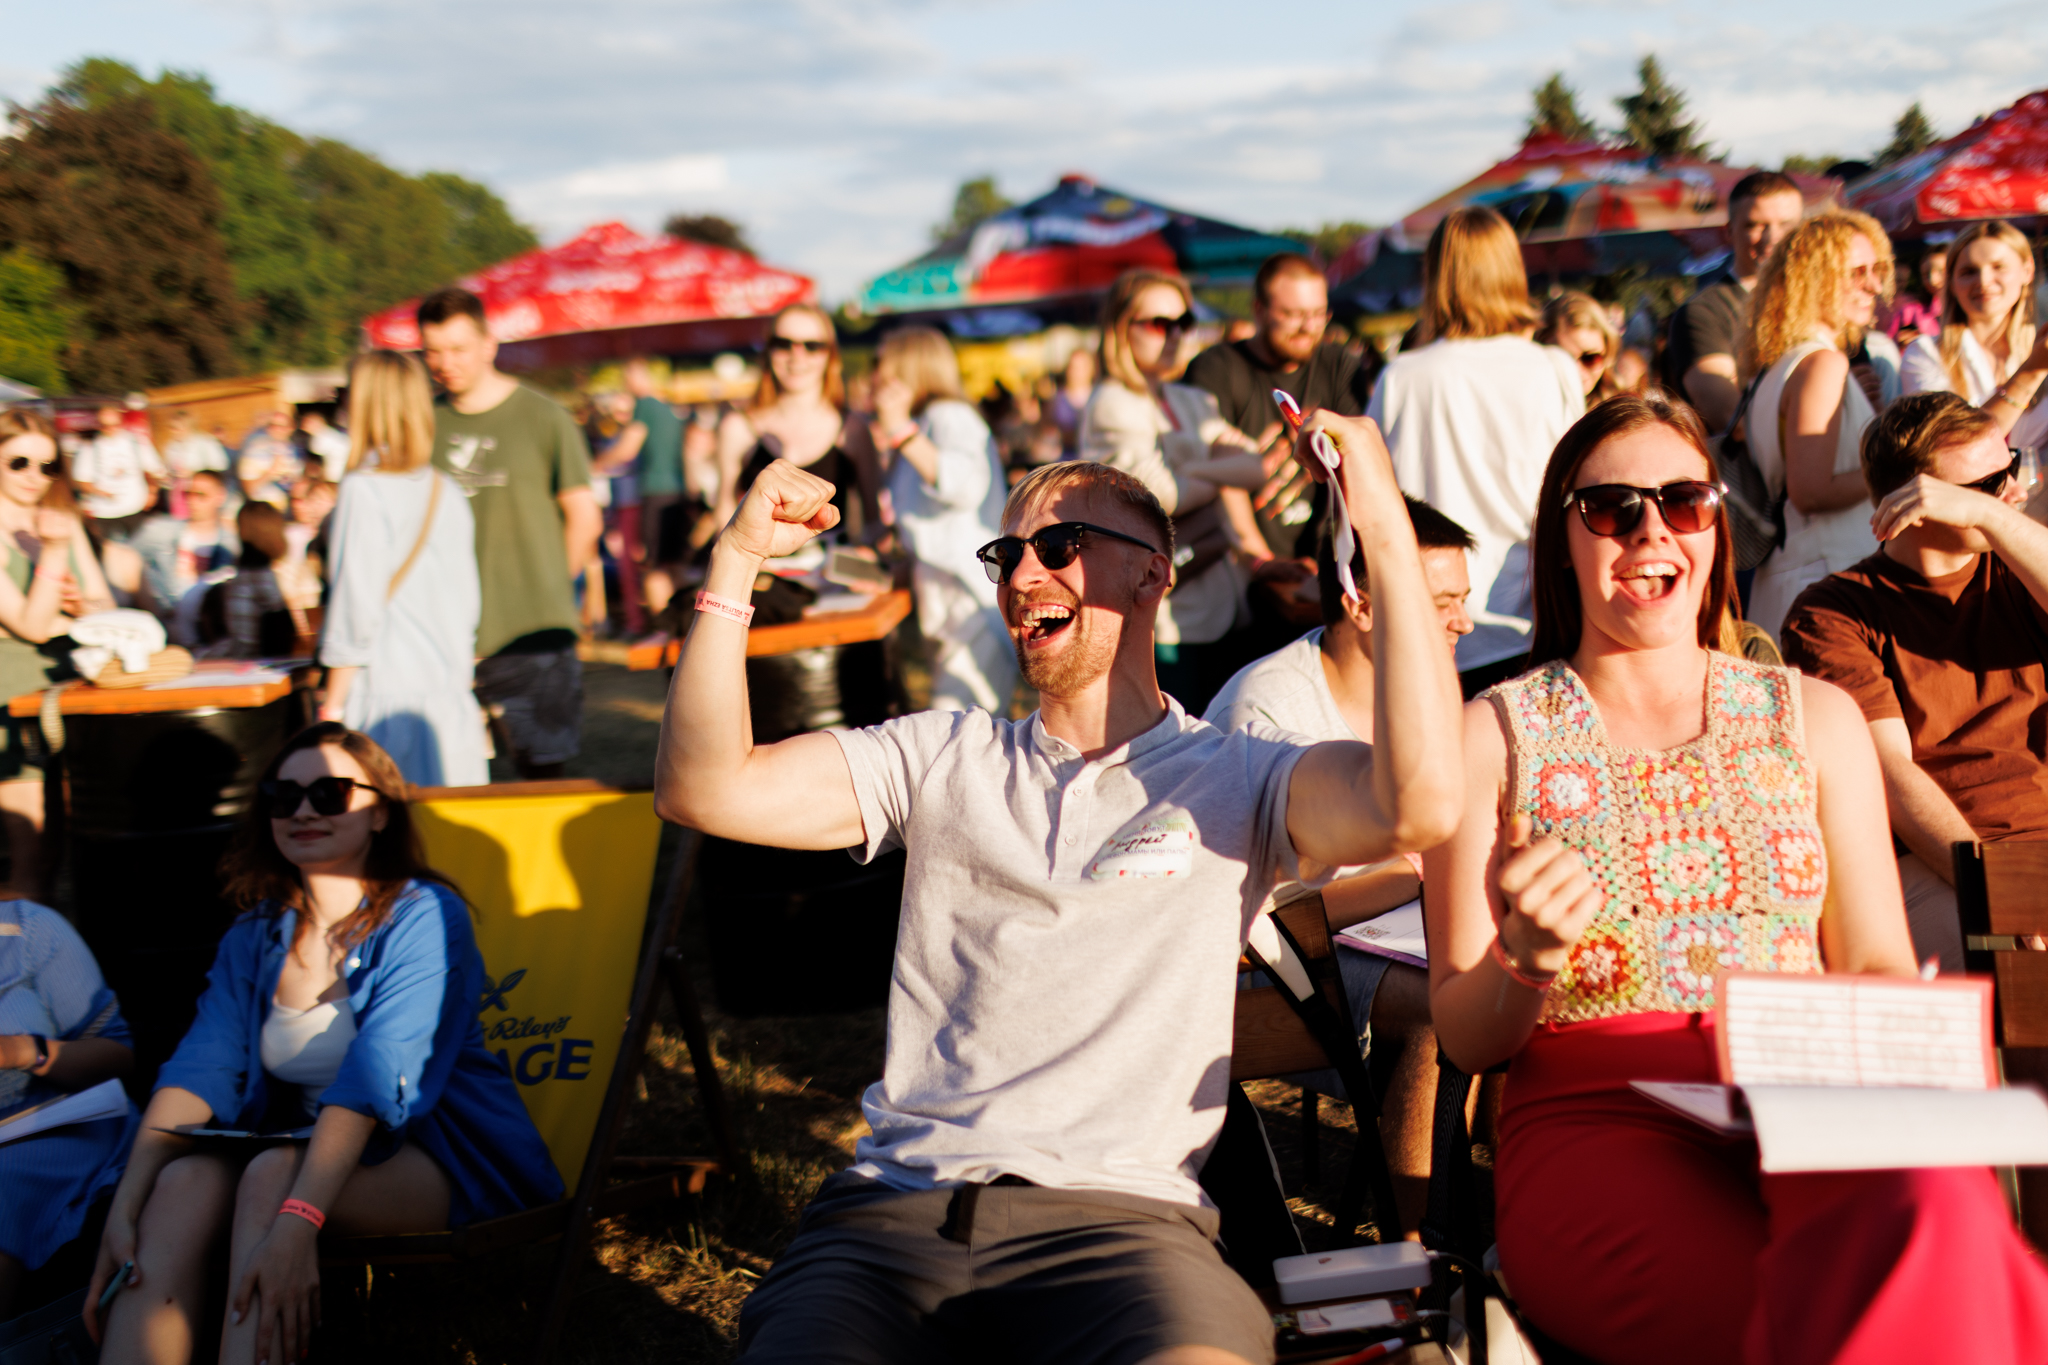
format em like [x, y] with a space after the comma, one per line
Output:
[1516, 974]
[715, 605]
[299, 1208]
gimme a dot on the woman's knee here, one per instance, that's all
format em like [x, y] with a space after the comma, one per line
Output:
[188, 1203]
[268, 1175]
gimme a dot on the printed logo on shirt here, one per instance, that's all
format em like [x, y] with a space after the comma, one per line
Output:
[466, 452]
[1163, 846]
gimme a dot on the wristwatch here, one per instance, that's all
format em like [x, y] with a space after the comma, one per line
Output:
[42, 1053]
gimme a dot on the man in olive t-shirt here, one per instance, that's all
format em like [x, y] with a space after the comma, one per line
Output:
[523, 462]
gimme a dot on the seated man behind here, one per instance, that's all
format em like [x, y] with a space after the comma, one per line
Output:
[1323, 686]
[1078, 888]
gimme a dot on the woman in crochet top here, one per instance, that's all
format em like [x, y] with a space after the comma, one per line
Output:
[1643, 810]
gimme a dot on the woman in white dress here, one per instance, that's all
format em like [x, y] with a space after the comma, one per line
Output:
[1988, 350]
[400, 636]
[1817, 294]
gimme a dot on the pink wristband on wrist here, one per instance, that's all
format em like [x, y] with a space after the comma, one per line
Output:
[713, 604]
[299, 1208]
[1516, 974]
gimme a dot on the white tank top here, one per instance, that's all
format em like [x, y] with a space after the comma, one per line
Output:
[305, 1047]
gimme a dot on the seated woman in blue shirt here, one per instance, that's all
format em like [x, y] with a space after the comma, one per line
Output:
[60, 1030]
[345, 998]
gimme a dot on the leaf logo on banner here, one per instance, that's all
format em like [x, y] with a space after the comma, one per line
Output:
[494, 992]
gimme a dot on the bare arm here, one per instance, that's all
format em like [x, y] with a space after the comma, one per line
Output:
[1863, 923]
[76, 1065]
[1237, 507]
[1921, 813]
[709, 773]
[1714, 389]
[1371, 893]
[582, 524]
[1812, 415]
[2015, 395]
[38, 614]
[2017, 539]
[622, 452]
[1350, 803]
[92, 581]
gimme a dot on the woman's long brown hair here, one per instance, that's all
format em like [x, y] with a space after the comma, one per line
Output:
[258, 878]
[62, 494]
[1559, 619]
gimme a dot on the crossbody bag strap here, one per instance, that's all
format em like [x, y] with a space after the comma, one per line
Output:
[427, 526]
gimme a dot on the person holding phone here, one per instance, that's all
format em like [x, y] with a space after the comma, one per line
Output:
[344, 998]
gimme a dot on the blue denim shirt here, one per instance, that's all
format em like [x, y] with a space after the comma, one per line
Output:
[417, 1065]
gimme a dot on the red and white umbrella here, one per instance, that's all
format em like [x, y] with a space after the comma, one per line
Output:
[1996, 168]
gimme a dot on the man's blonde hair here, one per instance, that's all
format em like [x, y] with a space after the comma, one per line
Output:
[1047, 480]
[1799, 292]
[390, 412]
[1473, 282]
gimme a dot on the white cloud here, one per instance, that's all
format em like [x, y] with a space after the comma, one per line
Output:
[690, 174]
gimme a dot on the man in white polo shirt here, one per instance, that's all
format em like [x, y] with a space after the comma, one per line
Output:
[1077, 889]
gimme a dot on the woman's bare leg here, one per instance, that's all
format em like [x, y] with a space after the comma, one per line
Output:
[156, 1323]
[21, 810]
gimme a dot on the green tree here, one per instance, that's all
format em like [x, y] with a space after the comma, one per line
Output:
[480, 231]
[131, 220]
[709, 229]
[1557, 112]
[33, 321]
[1653, 119]
[1912, 133]
[1328, 242]
[1800, 164]
[974, 201]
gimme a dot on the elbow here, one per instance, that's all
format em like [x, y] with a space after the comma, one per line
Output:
[1428, 811]
[680, 803]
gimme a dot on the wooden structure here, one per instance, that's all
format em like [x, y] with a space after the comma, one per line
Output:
[83, 699]
[881, 615]
[2002, 898]
[232, 408]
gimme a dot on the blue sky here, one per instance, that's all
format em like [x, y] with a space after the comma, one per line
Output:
[837, 129]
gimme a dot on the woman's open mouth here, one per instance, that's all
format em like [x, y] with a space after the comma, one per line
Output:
[1651, 581]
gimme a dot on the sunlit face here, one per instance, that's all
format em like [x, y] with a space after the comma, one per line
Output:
[1642, 590]
[204, 499]
[329, 843]
[799, 350]
[1155, 347]
[1862, 283]
[312, 502]
[1991, 279]
[1065, 624]
[1756, 226]
[1080, 372]
[1450, 586]
[1934, 273]
[37, 456]
[458, 353]
[1294, 316]
[1967, 463]
[112, 419]
[1587, 346]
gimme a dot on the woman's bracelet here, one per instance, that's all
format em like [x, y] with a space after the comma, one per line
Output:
[1516, 974]
[299, 1208]
[900, 438]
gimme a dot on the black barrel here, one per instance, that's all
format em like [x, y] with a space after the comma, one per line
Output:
[796, 931]
[154, 799]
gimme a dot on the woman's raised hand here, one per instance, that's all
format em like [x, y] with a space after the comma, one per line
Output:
[783, 511]
[1550, 898]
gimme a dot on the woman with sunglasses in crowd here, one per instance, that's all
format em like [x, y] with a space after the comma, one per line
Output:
[49, 578]
[1987, 349]
[1642, 810]
[1577, 324]
[1173, 439]
[799, 414]
[1471, 410]
[344, 998]
[1818, 294]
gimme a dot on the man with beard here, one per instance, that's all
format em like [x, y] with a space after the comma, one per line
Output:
[1078, 887]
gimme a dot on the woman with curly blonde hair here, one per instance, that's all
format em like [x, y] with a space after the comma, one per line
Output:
[1816, 297]
[1987, 350]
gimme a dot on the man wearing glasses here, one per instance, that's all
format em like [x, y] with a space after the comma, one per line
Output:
[1078, 888]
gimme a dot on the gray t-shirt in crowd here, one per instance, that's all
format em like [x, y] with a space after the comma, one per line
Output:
[1061, 1006]
[1287, 689]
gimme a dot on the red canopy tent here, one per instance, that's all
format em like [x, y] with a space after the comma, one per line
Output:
[611, 292]
[1996, 168]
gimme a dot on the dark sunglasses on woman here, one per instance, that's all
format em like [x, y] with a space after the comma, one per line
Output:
[799, 344]
[1593, 359]
[1179, 326]
[48, 468]
[329, 795]
[1616, 509]
[1054, 545]
[1994, 484]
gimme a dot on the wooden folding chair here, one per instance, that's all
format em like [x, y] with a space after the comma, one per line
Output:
[560, 876]
[2002, 897]
[1304, 1024]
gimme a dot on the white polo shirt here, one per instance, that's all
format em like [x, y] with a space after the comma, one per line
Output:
[1062, 999]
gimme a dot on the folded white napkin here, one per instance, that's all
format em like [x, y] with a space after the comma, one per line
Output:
[126, 634]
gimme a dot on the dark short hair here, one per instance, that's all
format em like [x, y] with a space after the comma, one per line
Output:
[1282, 265]
[261, 529]
[1757, 184]
[1902, 443]
[1433, 531]
[452, 302]
[220, 479]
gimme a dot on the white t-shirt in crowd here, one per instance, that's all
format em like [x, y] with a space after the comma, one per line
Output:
[116, 463]
[1922, 372]
[190, 454]
[330, 446]
[1471, 425]
[1061, 1006]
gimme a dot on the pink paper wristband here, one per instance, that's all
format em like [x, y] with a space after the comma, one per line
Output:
[715, 605]
[299, 1208]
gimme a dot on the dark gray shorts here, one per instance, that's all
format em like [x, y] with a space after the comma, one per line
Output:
[1014, 1273]
[539, 700]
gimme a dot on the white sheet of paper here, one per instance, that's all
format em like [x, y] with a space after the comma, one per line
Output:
[1875, 1128]
[104, 1101]
[1396, 934]
[1782, 1029]
[1710, 1105]
[1346, 1317]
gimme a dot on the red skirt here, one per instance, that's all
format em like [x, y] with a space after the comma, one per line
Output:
[1631, 1234]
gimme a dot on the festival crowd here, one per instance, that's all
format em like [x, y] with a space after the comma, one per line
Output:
[1634, 656]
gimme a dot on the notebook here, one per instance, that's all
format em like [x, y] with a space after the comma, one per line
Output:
[103, 1101]
[1396, 934]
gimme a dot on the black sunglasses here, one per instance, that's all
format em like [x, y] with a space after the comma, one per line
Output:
[1184, 323]
[1616, 509]
[49, 468]
[329, 795]
[1054, 545]
[1994, 484]
[799, 344]
[1591, 358]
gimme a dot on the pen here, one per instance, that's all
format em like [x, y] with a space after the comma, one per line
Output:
[114, 1285]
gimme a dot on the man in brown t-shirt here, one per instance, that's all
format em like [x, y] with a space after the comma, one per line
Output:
[1942, 638]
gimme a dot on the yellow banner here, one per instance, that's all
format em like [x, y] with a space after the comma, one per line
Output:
[560, 884]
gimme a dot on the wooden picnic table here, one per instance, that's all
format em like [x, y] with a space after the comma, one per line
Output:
[871, 622]
[83, 699]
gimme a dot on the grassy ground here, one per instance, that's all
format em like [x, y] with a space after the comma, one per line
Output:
[666, 1284]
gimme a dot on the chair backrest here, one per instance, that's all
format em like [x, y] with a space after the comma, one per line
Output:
[2001, 897]
[1268, 1037]
[558, 874]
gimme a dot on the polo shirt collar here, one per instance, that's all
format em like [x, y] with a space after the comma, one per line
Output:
[1056, 750]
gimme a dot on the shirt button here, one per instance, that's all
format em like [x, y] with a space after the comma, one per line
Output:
[1070, 841]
